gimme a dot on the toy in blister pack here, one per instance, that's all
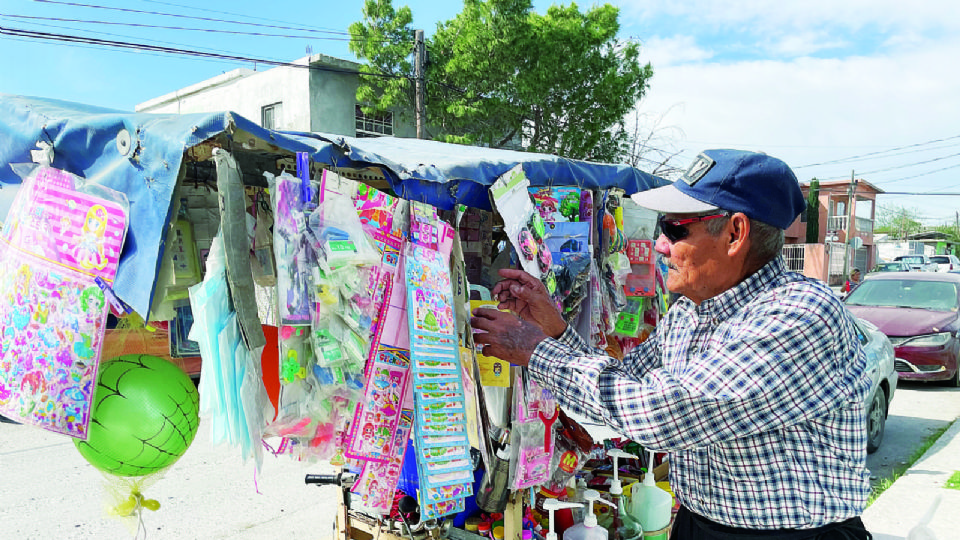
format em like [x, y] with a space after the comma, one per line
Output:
[641, 281]
[531, 466]
[290, 249]
[512, 200]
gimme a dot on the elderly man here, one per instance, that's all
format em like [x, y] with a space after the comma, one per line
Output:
[753, 382]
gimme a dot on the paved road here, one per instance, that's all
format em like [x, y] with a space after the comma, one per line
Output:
[49, 491]
[918, 410]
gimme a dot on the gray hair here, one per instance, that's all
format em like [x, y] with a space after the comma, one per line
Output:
[766, 241]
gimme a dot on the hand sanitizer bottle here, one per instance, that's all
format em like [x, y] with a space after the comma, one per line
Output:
[588, 530]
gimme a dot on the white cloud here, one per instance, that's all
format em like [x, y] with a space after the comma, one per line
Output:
[810, 110]
[662, 52]
[851, 14]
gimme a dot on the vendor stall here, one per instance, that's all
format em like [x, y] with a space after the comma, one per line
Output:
[320, 288]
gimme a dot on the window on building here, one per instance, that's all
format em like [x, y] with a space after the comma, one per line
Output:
[374, 125]
[270, 115]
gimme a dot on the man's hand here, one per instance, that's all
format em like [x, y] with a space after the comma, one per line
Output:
[526, 296]
[505, 336]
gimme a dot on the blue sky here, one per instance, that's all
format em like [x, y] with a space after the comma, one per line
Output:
[810, 81]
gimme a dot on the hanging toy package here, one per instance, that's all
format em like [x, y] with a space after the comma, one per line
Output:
[290, 249]
[60, 251]
[523, 224]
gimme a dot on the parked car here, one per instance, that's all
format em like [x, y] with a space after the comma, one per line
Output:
[946, 263]
[920, 314]
[893, 266]
[883, 376]
[919, 263]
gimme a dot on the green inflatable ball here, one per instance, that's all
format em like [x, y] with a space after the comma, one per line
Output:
[144, 416]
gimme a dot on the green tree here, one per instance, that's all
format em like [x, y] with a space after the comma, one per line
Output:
[499, 73]
[813, 212]
[897, 221]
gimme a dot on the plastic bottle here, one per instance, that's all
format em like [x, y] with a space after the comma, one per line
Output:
[588, 530]
[651, 506]
[552, 505]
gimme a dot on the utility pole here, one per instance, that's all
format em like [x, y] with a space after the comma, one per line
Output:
[418, 57]
[851, 197]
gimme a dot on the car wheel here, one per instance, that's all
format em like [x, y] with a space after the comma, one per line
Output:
[876, 419]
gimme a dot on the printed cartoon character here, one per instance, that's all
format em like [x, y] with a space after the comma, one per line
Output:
[89, 252]
[546, 203]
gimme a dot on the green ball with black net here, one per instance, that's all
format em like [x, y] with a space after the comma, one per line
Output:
[144, 416]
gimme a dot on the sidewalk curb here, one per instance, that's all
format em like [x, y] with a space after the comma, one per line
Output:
[903, 504]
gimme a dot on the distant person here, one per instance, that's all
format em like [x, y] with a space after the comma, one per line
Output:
[853, 282]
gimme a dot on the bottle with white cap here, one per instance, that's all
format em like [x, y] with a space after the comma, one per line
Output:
[651, 506]
[589, 529]
[550, 505]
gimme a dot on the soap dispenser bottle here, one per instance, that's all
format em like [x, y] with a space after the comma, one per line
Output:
[551, 505]
[651, 506]
[589, 529]
[625, 528]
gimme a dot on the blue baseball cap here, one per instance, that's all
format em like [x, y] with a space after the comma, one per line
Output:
[762, 187]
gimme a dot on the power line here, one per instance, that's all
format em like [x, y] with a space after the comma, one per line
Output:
[207, 10]
[210, 30]
[843, 160]
[208, 19]
[185, 52]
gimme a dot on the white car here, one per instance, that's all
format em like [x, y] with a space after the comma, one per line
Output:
[919, 263]
[946, 263]
[883, 378]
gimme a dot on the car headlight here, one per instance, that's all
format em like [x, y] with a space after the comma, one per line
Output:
[927, 340]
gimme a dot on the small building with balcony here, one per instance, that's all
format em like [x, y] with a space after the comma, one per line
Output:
[846, 213]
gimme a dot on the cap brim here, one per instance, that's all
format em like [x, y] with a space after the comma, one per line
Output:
[670, 200]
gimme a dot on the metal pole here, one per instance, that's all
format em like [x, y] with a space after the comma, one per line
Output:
[851, 197]
[418, 54]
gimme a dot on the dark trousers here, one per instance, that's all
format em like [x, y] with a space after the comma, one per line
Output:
[690, 526]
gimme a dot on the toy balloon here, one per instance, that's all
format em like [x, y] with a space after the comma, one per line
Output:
[144, 416]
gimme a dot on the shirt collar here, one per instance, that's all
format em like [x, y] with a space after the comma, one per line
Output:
[731, 300]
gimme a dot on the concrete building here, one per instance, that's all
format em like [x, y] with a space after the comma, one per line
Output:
[845, 232]
[316, 93]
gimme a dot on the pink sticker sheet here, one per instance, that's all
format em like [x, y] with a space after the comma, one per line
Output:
[57, 245]
[374, 425]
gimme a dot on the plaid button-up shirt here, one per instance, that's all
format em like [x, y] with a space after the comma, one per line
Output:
[757, 395]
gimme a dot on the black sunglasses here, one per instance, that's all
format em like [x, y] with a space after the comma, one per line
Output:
[676, 229]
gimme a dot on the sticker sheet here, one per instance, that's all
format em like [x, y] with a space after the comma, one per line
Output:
[374, 426]
[439, 412]
[60, 249]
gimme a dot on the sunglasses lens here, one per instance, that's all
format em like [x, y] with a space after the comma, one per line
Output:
[672, 231]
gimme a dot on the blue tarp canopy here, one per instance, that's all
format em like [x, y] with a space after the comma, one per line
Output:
[85, 142]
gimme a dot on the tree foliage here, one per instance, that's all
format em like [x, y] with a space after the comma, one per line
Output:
[813, 212]
[898, 222]
[499, 72]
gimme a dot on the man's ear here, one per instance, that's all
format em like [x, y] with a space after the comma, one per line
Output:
[739, 232]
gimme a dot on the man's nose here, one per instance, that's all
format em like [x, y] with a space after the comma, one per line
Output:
[662, 246]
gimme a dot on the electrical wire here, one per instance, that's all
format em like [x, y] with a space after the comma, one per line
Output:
[207, 10]
[47, 36]
[178, 15]
[158, 27]
[844, 160]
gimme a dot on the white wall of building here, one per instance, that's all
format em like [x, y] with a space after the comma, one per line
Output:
[319, 99]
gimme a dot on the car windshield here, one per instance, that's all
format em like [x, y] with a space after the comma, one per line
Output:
[940, 260]
[912, 260]
[910, 293]
[889, 267]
